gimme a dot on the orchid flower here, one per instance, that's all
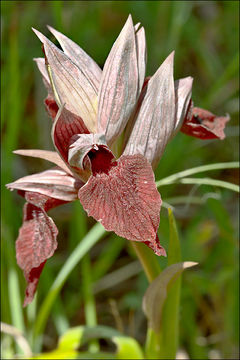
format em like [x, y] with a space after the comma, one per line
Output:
[90, 109]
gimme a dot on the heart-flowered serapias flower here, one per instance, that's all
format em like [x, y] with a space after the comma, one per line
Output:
[90, 109]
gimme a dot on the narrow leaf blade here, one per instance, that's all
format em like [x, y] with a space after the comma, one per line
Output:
[156, 293]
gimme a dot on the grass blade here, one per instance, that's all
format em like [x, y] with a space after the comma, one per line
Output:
[107, 257]
[89, 300]
[213, 182]
[218, 166]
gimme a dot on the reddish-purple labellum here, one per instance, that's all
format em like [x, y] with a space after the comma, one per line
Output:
[125, 200]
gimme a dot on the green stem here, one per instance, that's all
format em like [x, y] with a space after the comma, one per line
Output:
[148, 260]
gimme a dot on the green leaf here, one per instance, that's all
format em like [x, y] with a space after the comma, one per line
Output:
[75, 355]
[57, 355]
[156, 293]
[71, 339]
[127, 348]
[68, 344]
[74, 338]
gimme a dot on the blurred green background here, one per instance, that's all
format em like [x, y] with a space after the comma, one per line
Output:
[204, 35]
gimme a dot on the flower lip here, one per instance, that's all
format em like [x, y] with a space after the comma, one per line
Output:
[125, 200]
[102, 160]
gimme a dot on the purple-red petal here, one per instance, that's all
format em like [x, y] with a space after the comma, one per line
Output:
[67, 125]
[32, 279]
[204, 125]
[125, 200]
[64, 129]
[54, 183]
[51, 106]
[36, 241]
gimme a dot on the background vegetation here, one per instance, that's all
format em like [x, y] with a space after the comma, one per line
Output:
[110, 280]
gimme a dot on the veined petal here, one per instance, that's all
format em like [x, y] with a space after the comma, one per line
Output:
[45, 77]
[51, 156]
[183, 93]
[68, 123]
[203, 124]
[155, 120]
[125, 200]
[131, 121]
[54, 183]
[70, 85]
[36, 241]
[119, 85]
[51, 106]
[79, 57]
[42, 68]
[65, 126]
[141, 56]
